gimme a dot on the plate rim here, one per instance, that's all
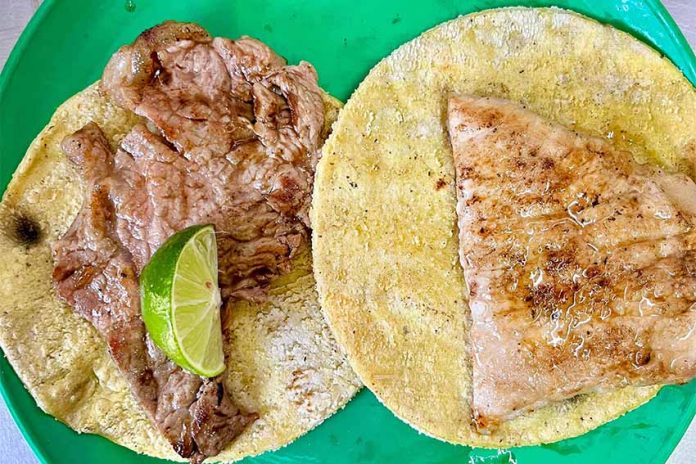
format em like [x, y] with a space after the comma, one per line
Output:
[670, 28]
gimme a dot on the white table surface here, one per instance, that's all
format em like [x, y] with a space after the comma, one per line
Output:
[14, 15]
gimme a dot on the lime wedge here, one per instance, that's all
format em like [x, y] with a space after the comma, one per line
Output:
[181, 301]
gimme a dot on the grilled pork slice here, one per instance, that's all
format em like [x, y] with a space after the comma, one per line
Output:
[96, 274]
[580, 263]
[246, 130]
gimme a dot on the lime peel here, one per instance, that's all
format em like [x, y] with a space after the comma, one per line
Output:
[181, 301]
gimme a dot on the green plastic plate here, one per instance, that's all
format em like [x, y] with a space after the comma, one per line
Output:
[65, 48]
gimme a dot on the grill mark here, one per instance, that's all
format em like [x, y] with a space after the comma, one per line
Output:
[476, 226]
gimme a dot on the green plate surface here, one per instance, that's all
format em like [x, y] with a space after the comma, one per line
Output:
[64, 49]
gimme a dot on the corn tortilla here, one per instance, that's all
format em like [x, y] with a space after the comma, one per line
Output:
[282, 360]
[385, 234]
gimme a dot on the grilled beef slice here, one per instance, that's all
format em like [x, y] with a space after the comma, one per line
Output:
[230, 136]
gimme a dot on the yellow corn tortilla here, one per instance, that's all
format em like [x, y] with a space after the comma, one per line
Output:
[385, 235]
[282, 360]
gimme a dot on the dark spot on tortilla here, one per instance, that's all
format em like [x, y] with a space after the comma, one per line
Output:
[24, 230]
[440, 183]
